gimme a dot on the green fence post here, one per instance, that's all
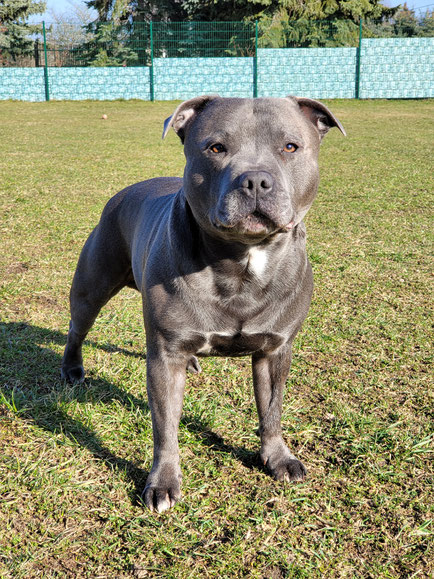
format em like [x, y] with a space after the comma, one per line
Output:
[151, 71]
[255, 63]
[359, 59]
[47, 90]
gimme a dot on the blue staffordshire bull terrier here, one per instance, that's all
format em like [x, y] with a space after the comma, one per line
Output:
[219, 258]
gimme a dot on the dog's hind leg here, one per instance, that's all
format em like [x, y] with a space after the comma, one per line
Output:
[103, 270]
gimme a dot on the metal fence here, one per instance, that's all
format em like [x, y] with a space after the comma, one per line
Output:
[148, 44]
[137, 44]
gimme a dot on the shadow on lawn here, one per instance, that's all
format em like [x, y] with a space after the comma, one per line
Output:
[29, 370]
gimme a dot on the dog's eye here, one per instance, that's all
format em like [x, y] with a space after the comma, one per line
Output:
[290, 148]
[217, 148]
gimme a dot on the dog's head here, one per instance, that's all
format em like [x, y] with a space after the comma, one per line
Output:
[252, 164]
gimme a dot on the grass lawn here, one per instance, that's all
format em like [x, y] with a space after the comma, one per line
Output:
[358, 407]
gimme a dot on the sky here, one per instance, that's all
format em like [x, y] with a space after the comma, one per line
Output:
[60, 7]
[65, 6]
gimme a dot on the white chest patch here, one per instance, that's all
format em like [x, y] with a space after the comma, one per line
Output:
[257, 261]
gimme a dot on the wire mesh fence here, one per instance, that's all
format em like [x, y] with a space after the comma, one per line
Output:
[107, 44]
[322, 59]
[203, 39]
[100, 45]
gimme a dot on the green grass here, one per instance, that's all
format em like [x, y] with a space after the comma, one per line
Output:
[358, 408]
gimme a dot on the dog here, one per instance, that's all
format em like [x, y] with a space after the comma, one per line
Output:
[220, 260]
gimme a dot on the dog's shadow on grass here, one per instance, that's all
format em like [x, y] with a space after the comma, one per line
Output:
[30, 383]
[217, 443]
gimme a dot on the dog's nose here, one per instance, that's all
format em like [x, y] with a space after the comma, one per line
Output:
[256, 183]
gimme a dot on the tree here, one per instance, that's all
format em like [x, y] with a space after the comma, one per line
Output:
[162, 10]
[284, 9]
[405, 22]
[139, 10]
[427, 24]
[109, 45]
[103, 8]
[112, 39]
[317, 23]
[238, 10]
[67, 32]
[15, 41]
[68, 29]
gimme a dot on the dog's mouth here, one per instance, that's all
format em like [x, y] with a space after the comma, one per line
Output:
[256, 222]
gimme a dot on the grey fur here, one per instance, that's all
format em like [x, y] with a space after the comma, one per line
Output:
[220, 260]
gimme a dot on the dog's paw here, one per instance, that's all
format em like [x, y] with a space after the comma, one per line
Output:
[288, 469]
[163, 489]
[282, 464]
[72, 374]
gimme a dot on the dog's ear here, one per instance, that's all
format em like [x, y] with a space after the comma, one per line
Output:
[185, 113]
[319, 115]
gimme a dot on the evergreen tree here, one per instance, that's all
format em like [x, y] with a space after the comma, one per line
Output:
[405, 22]
[427, 24]
[285, 9]
[237, 10]
[15, 41]
[139, 10]
[109, 45]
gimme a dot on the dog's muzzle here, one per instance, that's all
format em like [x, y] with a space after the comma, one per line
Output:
[250, 207]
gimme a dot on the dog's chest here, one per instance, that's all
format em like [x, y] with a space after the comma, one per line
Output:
[239, 344]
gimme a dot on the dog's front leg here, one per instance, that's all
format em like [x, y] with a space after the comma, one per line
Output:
[165, 386]
[269, 376]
